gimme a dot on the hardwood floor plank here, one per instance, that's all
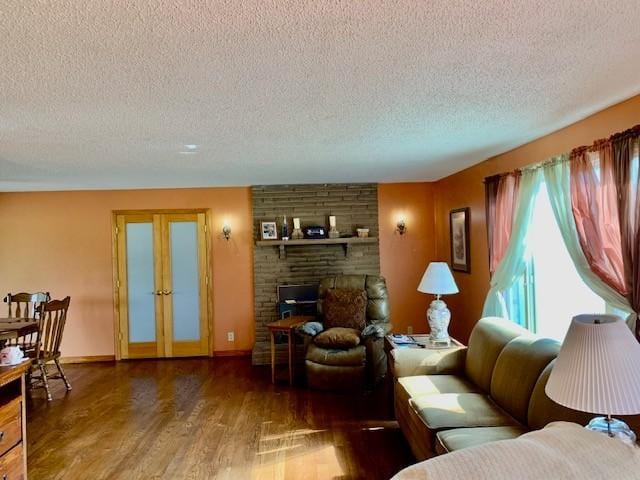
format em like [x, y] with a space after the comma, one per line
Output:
[199, 419]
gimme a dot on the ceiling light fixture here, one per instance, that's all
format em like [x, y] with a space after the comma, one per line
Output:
[189, 149]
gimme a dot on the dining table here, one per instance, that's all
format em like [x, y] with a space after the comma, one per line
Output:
[12, 328]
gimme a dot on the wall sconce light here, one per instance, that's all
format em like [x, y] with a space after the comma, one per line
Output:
[401, 227]
[226, 231]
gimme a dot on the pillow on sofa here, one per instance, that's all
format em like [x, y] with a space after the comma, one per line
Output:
[310, 328]
[338, 337]
[345, 308]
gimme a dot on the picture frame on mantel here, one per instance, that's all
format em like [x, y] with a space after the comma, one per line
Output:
[269, 230]
[459, 238]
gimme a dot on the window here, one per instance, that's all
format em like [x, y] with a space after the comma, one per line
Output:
[551, 292]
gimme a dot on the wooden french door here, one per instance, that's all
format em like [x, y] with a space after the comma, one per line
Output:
[162, 285]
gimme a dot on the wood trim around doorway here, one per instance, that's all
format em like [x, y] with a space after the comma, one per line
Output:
[116, 274]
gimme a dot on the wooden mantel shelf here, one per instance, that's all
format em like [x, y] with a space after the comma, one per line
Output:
[346, 243]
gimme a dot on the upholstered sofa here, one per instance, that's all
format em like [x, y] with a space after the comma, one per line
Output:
[492, 390]
[331, 368]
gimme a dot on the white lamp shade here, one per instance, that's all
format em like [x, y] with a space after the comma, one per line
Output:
[598, 367]
[437, 279]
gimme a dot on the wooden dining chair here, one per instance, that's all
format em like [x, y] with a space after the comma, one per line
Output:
[51, 318]
[25, 305]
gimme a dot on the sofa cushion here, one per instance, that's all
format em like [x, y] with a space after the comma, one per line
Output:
[543, 410]
[421, 385]
[488, 338]
[517, 369]
[338, 337]
[457, 410]
[374, 286]
[345, 308]
[459, 438]
[338, 357]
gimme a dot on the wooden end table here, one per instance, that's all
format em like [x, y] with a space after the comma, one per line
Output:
[286, 326]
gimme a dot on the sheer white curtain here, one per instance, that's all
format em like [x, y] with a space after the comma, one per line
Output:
[557, 180]
[513, 264]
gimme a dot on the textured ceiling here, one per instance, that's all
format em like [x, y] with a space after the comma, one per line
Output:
[97, 94]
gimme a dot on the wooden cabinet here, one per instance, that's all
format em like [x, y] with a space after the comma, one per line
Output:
[13, 432]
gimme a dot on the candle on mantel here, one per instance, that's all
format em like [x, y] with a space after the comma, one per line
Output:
[296, 223]
[332, 221]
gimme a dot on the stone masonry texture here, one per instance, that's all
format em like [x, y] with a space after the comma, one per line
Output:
[354, 205]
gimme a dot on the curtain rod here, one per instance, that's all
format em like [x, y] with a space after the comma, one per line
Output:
[565, 157]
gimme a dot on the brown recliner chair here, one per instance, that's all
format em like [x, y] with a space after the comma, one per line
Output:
[330, 368]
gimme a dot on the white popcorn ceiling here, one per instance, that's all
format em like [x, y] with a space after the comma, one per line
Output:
[105, 94]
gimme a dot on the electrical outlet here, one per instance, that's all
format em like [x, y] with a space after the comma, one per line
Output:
[231, 337]
[409, 330]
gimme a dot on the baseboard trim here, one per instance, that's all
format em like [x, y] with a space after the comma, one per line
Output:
[88, 359]
[232, 353]
[112, 358]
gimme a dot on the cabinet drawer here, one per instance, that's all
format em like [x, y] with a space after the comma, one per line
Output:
[10, 425]
[12, 464]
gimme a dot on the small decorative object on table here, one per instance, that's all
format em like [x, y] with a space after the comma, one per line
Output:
[438, 280]
[269, 230]
[597, 371]
[285, 228]
[333, 232]
[297, 233]
[400, 339]
[11, 355]
[314, 232]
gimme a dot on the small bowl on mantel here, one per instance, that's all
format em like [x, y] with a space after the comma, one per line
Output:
[362, 232]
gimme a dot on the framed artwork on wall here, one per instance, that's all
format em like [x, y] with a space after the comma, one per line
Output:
[459, 237]
[269, 230]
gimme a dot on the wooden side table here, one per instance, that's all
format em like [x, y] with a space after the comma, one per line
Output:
[287, 326]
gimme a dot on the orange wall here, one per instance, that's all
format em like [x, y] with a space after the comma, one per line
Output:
[403, 258]
[465, 189]
[61, 242]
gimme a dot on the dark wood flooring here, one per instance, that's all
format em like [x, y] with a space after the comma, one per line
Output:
[204, 419]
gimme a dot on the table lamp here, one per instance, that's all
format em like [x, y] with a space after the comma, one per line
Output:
[438, 280]
[598, 371]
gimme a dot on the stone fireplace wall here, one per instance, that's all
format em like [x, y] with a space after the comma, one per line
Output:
[354, 205]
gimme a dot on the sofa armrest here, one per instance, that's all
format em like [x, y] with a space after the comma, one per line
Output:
[407, 362]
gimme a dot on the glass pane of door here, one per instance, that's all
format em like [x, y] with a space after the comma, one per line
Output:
[140, 283]
[184, 280]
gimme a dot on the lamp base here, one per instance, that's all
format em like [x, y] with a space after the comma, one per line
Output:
[613, 427]
[439, 316]
[435, 344]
